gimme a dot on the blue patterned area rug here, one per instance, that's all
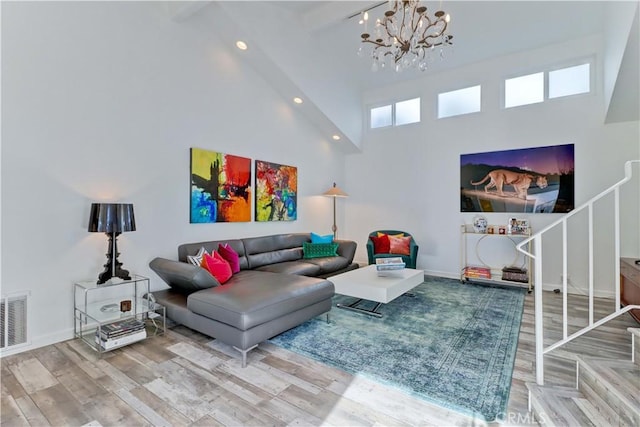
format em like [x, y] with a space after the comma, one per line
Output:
[451, 344]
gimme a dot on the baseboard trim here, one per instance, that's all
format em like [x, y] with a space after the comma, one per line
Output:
[441, 274]
[572, 288]
[41, 341]
[578, 290]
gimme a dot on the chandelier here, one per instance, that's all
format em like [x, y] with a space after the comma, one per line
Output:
[406, 36]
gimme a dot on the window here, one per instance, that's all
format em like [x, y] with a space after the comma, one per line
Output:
[530, 89]
[457, 102]
[381, 117]
[398, 114]
[407, 112]
[524, 90]
[569, 81]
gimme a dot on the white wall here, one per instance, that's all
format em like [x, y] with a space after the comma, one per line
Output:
[408, 178]
[101, 102]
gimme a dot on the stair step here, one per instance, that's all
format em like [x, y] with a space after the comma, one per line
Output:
[613, 387]
[563, 406]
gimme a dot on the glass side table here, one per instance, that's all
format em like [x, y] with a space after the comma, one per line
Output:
[112, 315]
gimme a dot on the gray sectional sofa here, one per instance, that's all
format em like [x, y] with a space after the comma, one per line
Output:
[275, 290]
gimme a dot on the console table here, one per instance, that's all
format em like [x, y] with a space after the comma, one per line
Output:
[469, 236]
[99, 308]
[630, 285]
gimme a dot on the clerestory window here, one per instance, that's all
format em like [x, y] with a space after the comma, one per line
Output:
[397, 114]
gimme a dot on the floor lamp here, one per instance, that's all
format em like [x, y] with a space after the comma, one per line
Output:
[334, 192]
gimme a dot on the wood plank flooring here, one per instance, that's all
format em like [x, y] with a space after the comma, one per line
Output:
[186, 379]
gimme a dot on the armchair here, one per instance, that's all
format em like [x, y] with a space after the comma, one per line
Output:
[409, 260]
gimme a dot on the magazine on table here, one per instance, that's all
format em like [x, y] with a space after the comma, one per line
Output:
[385, 264]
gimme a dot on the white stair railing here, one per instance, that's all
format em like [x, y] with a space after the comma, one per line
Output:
[536, 256]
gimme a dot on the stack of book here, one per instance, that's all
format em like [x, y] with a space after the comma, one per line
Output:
[475, 272]
[120, 333]
[515, 274]
[387, 266]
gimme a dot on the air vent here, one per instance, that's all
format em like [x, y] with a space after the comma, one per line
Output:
[13, 320]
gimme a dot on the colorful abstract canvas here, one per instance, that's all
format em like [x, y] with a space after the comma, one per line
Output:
[220, 187]
[276, 192]
[529, 180]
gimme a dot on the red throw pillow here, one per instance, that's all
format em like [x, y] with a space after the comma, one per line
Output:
[218, 267]
[381, 245]
[231, 256]
[400, 245]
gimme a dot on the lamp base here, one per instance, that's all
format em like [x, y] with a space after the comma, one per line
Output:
[105, 276]
[113, 267]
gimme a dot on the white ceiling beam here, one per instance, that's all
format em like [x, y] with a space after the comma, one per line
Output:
[179, 11]
[334, 12]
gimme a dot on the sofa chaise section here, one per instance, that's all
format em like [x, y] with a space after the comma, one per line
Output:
[274, 291]
[251, 308]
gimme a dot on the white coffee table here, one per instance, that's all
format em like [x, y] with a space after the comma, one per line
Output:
[365, 284]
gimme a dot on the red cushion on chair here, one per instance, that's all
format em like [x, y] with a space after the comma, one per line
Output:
[400, 245]
[381, 245]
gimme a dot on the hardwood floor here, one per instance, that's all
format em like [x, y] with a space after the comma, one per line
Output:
[186, 379]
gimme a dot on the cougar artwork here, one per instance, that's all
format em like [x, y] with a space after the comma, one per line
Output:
[519, 181]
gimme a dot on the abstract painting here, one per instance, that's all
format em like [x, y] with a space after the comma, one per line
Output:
[529, 180]
[276, 192]
[220, 187]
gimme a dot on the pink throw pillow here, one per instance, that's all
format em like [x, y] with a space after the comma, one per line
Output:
[231, 256]
[218, 267]
[400, 245]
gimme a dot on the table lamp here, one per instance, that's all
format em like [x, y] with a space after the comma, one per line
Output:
[334, 192]
[112, 219]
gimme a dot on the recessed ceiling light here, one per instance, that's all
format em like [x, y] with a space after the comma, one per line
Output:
[241, 45]
[336, 137]
[297, 100]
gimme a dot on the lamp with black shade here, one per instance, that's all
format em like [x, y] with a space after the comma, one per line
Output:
[334, 192]
[112, 219]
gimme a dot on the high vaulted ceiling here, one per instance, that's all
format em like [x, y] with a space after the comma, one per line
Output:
[481, 30]
[309, 48]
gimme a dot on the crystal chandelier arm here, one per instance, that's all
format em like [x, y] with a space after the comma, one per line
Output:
[428, 24]
[414, 28]
[402, 27]
[380, 43]
[386, 25]
[424, 36]
[430, 43]
[374, 42]
[396, 3]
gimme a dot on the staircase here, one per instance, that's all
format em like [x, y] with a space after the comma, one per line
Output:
[607, 393]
